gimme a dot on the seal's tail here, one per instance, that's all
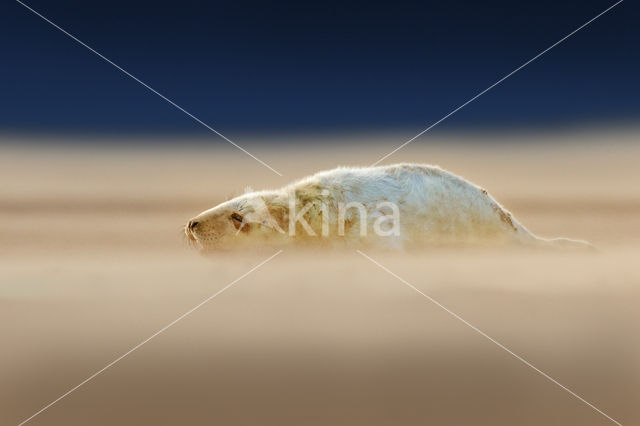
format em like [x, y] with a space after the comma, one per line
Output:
[567, 244]
[529, 238]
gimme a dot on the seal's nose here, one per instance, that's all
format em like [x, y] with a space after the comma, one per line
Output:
[193, 224]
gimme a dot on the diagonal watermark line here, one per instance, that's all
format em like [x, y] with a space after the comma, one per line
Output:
[150, 88]
[482, 333]
[497, 82]
[163, 329]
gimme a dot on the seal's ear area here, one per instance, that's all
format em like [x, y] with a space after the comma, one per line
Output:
[271, 222]
[264, 218]
[267, 214]
[278, 216]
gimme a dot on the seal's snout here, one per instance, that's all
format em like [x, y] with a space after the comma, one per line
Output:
[193, 224]
[190, 229]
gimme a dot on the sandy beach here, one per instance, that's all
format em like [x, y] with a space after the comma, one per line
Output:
[93, 264]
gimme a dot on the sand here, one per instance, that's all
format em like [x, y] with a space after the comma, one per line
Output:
[92, 264]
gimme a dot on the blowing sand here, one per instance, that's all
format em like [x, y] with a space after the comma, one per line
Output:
[93, 263]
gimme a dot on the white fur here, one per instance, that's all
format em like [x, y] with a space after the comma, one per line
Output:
[435, 207]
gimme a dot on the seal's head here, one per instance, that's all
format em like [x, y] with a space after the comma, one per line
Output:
[248, 219]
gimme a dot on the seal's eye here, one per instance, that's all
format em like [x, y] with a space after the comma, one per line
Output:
[237, 219]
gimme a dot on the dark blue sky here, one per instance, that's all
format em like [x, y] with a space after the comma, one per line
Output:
[308, 67]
